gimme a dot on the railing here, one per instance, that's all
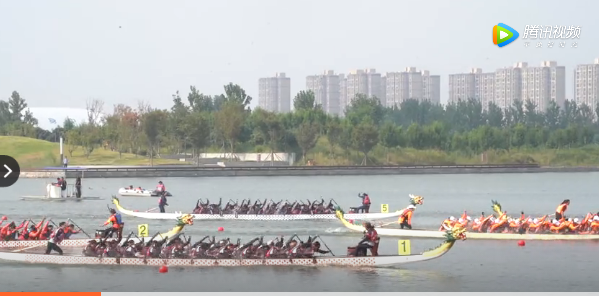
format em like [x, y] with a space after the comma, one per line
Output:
[283, 168]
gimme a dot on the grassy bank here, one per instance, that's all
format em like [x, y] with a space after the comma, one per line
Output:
[585, 156]
[33, 153]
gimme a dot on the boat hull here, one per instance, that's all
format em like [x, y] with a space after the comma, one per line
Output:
[318, 261]
[471, 235]
[42, 243]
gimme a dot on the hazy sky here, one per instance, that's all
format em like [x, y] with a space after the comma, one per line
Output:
[61, 53]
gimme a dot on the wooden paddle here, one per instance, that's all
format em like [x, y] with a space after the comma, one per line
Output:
[28, 248]
[152, 209]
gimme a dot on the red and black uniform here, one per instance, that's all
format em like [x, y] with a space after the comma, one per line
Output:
[370, 241]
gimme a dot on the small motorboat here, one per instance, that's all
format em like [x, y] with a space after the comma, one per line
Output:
[140, 192]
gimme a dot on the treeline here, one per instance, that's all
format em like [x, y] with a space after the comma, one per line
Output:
[225, 123]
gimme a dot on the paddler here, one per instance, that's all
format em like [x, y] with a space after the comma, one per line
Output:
[117, 224]
[561, 209]
[447, 223]
[405, 219]
[370, 240]
[8, 231]
[55, 239]
[70, 230]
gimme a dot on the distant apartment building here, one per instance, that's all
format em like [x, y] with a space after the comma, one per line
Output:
[586, 84]
[367, 82]
[411, 84]
[476, 85]
[274, 93]
[508, 85]
[327, 92]
[543, 84]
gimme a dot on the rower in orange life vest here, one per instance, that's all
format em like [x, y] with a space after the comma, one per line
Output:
[70, 230]
[499, 222]
[365, 207]
[117, 224]
[561, 209]
[9, 231]
[370, 241]
[405, 219]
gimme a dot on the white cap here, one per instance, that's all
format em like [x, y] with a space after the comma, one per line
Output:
[569, 219]
[461, 220]
[596, 218]
[530, 220]
[452, 218]
[411, 207]
[476, 220]
[535, 221]
[469, 218]
[555, 222]
[576, 220]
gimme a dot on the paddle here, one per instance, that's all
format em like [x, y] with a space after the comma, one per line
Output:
[89, 236]
[385, 224]
[28, 248]
[152, 209]
[325, 244]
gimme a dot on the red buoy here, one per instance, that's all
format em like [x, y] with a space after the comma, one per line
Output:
[221, 229]
[136, 210]
[351, 221]
[4, 218]
[163, 269]
[521, 243]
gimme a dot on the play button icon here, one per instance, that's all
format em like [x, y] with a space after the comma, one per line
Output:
[502, 35]
[9, 171]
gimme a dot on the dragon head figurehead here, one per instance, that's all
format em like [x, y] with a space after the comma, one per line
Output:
[496, 207]
[185, 219]
[416, 200]
[455, 233]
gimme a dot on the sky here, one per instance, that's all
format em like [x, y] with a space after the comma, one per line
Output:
[63, 53]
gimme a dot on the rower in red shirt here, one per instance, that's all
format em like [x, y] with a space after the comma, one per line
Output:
[370, 241]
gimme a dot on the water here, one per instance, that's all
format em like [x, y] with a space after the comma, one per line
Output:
[469, 266]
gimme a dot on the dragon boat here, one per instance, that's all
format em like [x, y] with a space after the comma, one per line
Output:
[252, 217]
[182, 221]
[418, 233]
[451, 236]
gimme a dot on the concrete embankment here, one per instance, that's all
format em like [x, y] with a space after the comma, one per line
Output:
[190, 171]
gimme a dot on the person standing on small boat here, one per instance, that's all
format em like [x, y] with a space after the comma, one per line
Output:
[78, 187]
[55, 239]
[117, 224]
[63, 187]
[370, 241]
[162, 202]
[561, 209]
[160, 187]
[365, 207]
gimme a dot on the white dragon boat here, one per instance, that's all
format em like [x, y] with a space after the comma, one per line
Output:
[368, 261]
[182, 221]
[54, 193]
[140, 192]
[414, 233]
[254, 217]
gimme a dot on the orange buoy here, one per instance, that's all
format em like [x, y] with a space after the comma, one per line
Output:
[4, 218]
[521, 243]
[221, 229]
[163, 269]
[136, 210]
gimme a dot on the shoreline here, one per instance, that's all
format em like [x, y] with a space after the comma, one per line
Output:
[272, 171]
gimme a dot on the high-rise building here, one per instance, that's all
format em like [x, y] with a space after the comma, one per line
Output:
[326, 88]
[508, 85]
[366, 82]
[274, 93]
[541, 85]
[475, 85]
[412, 84]
[586, 84]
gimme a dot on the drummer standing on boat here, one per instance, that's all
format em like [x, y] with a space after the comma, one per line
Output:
[561, 209]
[55, 239]
[162, 201]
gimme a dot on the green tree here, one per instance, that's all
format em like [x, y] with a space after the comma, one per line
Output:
[389, 137]
[304, 100]
[198, 126]
[365, 137]
[306, 135]
[334, 131]
[229, 122]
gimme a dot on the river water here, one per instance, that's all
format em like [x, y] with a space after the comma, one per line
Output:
[469, 266]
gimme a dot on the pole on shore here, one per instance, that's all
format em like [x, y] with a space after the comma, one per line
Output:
[61, 154]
